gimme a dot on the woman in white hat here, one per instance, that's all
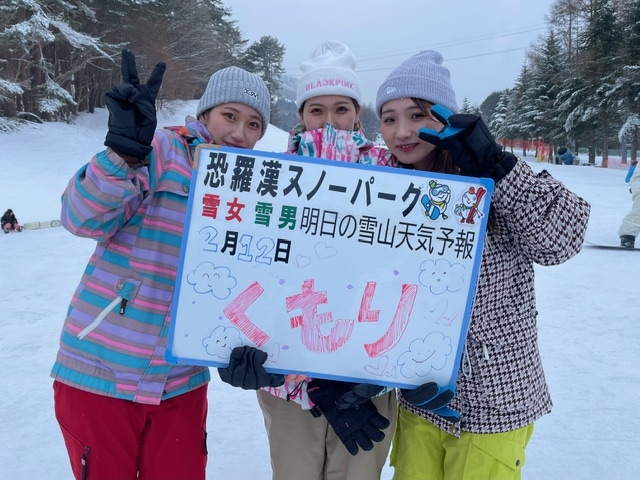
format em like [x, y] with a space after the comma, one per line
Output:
[331, 443]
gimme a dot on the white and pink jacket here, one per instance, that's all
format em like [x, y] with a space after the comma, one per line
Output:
[342, 145]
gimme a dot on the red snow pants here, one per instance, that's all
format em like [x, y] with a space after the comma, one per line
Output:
[110, 438]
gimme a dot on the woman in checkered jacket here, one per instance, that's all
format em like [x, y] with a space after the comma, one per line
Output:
[501, 389]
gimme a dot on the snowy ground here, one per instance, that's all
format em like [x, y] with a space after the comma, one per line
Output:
[589, 326]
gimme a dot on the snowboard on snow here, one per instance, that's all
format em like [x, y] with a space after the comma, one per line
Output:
[45, 224]
[607, 246]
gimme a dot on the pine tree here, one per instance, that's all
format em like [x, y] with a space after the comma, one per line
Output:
[629, 74]
[61, 56]
[516, 125]
[488, 106]
[547, 70]
[265, 57]
[602, 45]
[42, 54]
[499, 116]
[466, 106]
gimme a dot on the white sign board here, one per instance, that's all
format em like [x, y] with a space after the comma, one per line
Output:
[339, 271]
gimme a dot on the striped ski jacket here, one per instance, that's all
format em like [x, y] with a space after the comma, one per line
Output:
[114, 337]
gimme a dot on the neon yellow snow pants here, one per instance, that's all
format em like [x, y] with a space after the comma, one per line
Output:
[421, 451]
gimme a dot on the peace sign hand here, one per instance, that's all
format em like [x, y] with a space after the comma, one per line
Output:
[132, 111]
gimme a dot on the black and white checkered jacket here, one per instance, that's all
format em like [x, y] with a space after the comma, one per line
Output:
[501, 384]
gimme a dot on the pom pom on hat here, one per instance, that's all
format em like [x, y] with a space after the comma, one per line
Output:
[420, 76]
[233, 84]
[330, 70]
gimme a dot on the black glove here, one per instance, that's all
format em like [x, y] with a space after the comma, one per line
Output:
[357, 426]
[132, 111]
[358, 394]
[433, 398]
[471, 145]
[245, 370]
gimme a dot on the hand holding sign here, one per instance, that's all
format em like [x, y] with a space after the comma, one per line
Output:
[433, 398]
[245, 370]
[357, 427]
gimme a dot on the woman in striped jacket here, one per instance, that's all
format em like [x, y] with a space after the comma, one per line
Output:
[125, 412]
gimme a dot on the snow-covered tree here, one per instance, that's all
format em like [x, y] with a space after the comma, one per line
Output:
[628, 79]
[499, 116]
[59, 57]
[516, 125]
[547, 71]
[489, 104]
[41, 52]
[602, 47]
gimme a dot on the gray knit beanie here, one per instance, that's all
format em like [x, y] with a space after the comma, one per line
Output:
[234, 84]
[420, 76]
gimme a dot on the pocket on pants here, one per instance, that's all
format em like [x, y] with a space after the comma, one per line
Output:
[78, 452]
[495, 457]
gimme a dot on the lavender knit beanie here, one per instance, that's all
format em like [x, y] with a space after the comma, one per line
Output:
[420, 76]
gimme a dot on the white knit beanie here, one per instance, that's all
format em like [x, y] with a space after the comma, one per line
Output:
[329, 71]
[420, 76]
[234, 84]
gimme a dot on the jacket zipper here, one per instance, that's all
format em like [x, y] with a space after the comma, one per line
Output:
[93, 325]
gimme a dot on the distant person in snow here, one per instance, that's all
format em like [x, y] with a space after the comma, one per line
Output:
[630, 226]
[500, 390]
[10, 222]
[125, 412]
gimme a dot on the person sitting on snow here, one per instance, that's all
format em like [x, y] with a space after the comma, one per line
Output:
[10, 222]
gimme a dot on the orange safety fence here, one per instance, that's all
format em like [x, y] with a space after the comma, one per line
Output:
[540, 149]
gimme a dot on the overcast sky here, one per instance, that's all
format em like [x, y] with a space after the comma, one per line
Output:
[483, 42]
